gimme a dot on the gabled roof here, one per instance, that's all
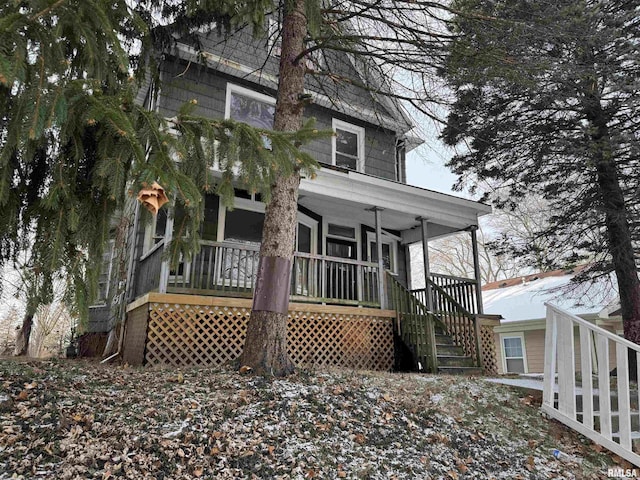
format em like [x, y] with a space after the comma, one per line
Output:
[246, 58]
[523, 298]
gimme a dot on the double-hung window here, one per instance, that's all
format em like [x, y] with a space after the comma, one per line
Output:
[514, 354]
[348, 145]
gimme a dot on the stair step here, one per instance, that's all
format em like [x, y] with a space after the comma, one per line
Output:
[460, 370]
[442, 339]
[448, 349]
[454, 361]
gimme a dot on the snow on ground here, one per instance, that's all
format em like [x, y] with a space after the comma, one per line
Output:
[77, 420]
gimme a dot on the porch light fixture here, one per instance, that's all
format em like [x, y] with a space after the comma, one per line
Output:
[153, 198]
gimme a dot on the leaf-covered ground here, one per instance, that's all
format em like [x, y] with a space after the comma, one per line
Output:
[71, 419]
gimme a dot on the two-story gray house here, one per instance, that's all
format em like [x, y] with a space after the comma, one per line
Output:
[347, 305]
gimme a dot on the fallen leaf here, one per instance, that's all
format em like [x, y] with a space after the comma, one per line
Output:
[310, 474]
[452, 474]
[360, 439]
[23, 395]
[198, 471]
[462, 468]
[531, 464]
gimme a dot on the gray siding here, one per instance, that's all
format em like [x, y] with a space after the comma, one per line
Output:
[243, 49]
[183, 82]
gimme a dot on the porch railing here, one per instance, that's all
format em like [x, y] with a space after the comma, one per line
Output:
[415, 326]
[586, 382]
[448, 303]
[230, 269]
[462, 289]
[147, 276]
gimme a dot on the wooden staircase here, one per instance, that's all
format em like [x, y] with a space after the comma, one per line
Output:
[434, 346]
[452, 359]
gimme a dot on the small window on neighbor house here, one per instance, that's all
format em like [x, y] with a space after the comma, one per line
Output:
[348, 150]
[513, 354]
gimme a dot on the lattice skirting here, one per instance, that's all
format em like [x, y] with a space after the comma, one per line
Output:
[488, 349]
[190, 334]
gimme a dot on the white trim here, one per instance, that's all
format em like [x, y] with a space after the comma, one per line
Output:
[238, 204]
[307, 221]
[393, 248]
[233, 88]
[441, 208]
[326, 220]
[149, 243]
[519, 335]
[348, 127]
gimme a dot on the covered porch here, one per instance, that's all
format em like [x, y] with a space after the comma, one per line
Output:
[352, 251]
[353, 231]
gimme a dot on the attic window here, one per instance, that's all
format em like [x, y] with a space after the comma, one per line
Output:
[348, 146]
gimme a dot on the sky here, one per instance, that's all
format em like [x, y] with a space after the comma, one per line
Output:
[425, 168]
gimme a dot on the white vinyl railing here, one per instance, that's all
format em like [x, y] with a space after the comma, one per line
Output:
[586, 382]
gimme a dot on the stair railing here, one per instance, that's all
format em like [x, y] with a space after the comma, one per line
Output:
[576, 352]
[460, 323]
[415, 325]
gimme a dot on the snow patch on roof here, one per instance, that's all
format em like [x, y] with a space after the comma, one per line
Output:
[525, 301]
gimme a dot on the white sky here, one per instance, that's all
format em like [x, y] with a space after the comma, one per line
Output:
[425, 168]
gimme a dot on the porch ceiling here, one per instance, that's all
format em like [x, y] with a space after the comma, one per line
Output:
[348, 195]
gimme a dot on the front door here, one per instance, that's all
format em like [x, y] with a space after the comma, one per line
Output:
[341, 278]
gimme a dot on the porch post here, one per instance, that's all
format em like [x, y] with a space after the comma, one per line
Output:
[476, 267]
[425, 260]
[382, 292]
[165, 267]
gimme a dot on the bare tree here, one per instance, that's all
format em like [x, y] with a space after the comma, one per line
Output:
[53, 323]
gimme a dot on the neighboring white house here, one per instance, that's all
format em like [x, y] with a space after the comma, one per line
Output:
[521, 303]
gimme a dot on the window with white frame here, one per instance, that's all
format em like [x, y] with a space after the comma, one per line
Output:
[104, 280]
[341, 241]
[247, 106]
[389, 251]
[155, 230]
[513, 353]
[348, 145]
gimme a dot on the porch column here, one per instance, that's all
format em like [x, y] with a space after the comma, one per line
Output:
[165, 267]
[382, 292]
[476, 267]
[425, 260]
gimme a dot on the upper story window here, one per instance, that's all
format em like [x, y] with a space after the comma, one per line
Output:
[348, 146]
[252, 108]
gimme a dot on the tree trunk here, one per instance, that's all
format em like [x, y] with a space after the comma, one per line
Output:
[617, 224]
[22, 338]
[265, 348]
